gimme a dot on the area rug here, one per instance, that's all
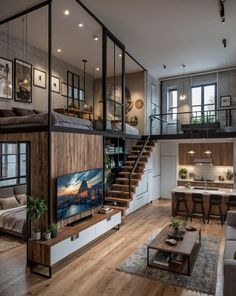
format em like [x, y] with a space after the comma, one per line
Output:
[7, 244]
[204, 274]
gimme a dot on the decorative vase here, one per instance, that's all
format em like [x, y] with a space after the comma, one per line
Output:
[54, 233]
[36, 236]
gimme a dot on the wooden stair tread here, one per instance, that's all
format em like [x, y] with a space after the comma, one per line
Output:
[127, 173]
[118, 199]
[133, 161]
[123, 185]
[119, 192]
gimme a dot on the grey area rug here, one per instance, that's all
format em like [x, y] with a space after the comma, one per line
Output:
[204, 274]
[6, 244]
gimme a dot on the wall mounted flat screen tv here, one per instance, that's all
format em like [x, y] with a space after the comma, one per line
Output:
[79, 192]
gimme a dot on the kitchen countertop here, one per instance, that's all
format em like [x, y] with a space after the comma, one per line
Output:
[224, 192]
[200, 181]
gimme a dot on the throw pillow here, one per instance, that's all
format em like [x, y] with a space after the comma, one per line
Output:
[22, 199]
[23, 112]
[9, 203]
[6, 113]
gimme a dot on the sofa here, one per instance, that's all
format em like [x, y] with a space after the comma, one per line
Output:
[229, 264]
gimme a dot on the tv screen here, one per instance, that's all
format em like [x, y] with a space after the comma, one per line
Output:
[79, 192]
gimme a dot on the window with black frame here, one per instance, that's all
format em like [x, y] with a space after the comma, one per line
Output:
[172, 101]
[203, 103]
[13, 164]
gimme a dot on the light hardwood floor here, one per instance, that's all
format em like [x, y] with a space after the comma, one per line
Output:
[94, 272]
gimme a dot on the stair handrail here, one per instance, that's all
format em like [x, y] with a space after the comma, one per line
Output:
[136, 163]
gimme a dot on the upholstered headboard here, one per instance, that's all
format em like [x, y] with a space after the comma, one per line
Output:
[6, 192]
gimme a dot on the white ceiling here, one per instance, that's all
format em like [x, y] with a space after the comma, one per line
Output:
[155, 32]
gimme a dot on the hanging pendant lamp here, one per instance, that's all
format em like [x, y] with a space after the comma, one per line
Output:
[208, 151]
[183, 96]
[191, 151]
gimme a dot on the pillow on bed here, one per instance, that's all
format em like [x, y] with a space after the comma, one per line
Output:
[6, 113]
[22, 199]
[9, 203]
[23, 112]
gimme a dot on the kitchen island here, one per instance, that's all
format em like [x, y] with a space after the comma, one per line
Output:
[225, 193]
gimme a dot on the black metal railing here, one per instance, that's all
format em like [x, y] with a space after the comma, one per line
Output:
[136, 163]
[223, 120]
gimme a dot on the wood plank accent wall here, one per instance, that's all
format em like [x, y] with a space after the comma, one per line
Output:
[39, 161]
[73, 153]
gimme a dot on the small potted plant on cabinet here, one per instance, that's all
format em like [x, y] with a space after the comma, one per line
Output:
[35, 209]
[47, 234]
[183, 173]
[53, 228]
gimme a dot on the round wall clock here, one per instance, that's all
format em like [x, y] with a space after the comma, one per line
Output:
[139, 104]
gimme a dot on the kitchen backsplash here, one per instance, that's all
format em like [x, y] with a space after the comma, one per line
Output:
[209, 172]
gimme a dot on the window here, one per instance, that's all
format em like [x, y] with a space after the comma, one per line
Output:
[13, 164]
[172, 104]
[204, 100]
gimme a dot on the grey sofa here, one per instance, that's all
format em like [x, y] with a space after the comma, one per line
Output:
[230, 249]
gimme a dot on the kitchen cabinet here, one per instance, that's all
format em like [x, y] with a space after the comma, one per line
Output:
[222, 153]
[209, 184]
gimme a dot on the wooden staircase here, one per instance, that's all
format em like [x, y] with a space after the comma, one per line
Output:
[119, 196]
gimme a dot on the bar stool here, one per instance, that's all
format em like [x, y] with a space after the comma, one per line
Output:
[215, 200]
[181, 199]
[231, 203]
[197, 199]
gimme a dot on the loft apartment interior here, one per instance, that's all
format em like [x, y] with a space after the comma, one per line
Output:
[118, 147]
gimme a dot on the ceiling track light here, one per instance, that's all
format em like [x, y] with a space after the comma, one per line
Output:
[164, 66]
[222, 10]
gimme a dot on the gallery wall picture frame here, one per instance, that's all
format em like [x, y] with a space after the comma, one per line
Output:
[6, 79]
[39, 78]
[55, 84]
[225, 101]
[23, 81]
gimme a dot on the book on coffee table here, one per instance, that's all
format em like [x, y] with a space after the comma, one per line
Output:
[162, 258]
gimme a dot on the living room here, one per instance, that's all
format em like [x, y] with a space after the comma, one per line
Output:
[117, 144]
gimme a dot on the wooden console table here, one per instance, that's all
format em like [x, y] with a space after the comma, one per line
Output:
[69, 240]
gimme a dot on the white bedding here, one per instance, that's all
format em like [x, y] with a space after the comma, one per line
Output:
[13, 219]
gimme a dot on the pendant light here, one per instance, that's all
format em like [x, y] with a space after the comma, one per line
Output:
[25, 81]
[85, 107]
[191, 151]
[208, 151]
[183, 96]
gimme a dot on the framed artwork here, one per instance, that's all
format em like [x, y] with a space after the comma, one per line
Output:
[225, 101]
[39, 78]
[23, 81]
[6, 79]
[55, 84]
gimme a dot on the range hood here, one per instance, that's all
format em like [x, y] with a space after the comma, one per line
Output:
[203, 161]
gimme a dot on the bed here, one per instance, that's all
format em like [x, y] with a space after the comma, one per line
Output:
[13, 216]
[41, 119]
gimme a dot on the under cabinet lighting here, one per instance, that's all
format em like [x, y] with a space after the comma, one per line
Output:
[207, 151]
[80, 25]
[191, 152]
[66, 12]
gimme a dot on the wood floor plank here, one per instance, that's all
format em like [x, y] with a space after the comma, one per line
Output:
[94, 272]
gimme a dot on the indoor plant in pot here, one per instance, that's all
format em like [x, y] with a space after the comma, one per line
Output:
[178, 226]
[47, 234]
[53, 229]
[183, 173]
[35, 209]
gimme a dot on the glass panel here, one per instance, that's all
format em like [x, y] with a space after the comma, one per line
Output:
[196, 96]
[22, 148]
[9, 166]
[22, 180]
[172, 98]
[114, 86]
[23, 165]
[9, 148]
[209, 94]
[8, 182]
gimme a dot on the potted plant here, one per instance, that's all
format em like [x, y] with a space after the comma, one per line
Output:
[53, 229]
[35, 209]
[107, 161]
[183, 173]
[229, 175]
[47, 234]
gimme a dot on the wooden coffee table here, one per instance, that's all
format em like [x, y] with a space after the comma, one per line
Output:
[188, 247]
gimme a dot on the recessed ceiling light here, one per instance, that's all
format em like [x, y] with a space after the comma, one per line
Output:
[97, 69]
[80, 25]
[95, 38]
[66, 12]
[59, 50]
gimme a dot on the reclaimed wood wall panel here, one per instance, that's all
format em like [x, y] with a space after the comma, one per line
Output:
[39, 161]
[73, 153]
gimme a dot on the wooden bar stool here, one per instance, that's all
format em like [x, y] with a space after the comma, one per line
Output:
[231, 203]
[197, 199]
[181, 199]
[215, 200]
